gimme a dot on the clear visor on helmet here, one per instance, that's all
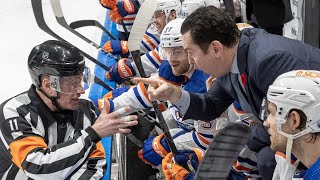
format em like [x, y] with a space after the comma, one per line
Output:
[72, 84]
[264, 112]
[174, 53]
[268, 108]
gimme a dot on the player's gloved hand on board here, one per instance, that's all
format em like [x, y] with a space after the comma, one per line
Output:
[109, 4]
[154, 149]
[181, 166]
[121, 71]
[123, 8]
[110, 96]
[117, 47]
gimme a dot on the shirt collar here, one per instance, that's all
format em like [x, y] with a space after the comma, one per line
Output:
[234, 67]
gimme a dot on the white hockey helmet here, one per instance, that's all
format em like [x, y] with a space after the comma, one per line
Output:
[189, 6]
[171, 36]
[215, 3]
[168, 5]
[298, 89]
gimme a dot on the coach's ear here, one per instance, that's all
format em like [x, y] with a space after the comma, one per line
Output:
[216, 49]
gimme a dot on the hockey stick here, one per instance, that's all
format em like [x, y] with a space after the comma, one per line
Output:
[84, 23]
[223, 152]
[102, 83]
[125, 29]
[56, 7]
[38, 14]
[136, 35]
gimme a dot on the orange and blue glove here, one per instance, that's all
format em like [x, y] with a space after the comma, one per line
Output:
[117, 47]
[109, 4]
[123, 8]
[121, 71]
[107, 98]
[154, 149]
[181, 166]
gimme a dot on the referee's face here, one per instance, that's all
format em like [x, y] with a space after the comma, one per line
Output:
[71, 91]
[70, 101]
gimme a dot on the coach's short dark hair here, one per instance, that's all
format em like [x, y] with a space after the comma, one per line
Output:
[209, 23]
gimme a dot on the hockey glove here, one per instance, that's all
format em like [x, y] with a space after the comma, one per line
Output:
[174, 166]
[123, 9]
[121, 71]
[109, 4]
[166, 74]
[117, 47]
[106, 102]
[154, 149]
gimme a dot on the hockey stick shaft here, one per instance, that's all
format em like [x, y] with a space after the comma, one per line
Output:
[139, 27]
[57, 10]
[38, 13]
[125, 29]
[84, 23]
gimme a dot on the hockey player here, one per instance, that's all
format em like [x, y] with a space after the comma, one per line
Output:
[123, 12]
[190, 133]
[48, 132]
[167, 10]
[126, 11]
[291, 114]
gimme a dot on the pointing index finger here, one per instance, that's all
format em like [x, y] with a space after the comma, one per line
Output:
[151, 81]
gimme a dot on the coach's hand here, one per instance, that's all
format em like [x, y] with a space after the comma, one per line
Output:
[160, 90]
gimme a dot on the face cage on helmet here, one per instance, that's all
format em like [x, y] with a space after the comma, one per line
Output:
[71, 84]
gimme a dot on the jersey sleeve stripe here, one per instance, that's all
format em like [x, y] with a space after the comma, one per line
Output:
[156, 56]
[146, 46]
[144, 91]
[21, 148]
[149, 41]
[129, 18]
[136, 93]
[153, 37]
[98, 152]
[240, 168]
[195, 139]
[203, 139]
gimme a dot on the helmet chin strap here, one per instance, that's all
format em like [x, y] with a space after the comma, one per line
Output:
[289, 149]
[54, 100]
[189, 70]
[190, 67]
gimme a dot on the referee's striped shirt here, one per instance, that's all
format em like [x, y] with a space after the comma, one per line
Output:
[36, 143]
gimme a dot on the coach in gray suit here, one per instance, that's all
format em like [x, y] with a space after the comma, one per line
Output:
[245, 65]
